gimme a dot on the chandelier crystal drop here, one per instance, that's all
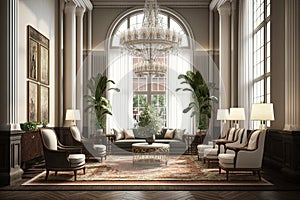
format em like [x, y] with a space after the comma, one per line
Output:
[150, 68]
[152, 40]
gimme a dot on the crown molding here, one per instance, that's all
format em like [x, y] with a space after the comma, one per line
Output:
[168, 3]
[86, 4]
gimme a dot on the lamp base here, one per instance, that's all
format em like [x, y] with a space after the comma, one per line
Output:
[262, 127]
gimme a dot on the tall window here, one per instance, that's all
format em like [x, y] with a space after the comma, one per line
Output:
[262, 52]
[149, 89]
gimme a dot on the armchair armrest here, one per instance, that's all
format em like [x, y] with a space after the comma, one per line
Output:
[70, 149]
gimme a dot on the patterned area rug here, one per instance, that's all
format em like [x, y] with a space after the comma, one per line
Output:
[186, 170]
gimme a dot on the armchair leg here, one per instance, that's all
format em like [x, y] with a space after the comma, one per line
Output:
[75, 175]
[55, 173]
[84, 170]
[219, 170]
[227, 173]
[47, 174]
[259, 176]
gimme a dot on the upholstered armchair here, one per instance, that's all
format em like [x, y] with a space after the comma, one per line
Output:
[246, 158]
[90, 149]
[59, 157]
[233, 138]
[202, 147]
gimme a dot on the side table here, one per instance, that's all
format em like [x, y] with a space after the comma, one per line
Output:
[192, 141]
[110, 139]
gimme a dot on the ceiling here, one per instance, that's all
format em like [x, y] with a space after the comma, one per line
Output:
[169, 3]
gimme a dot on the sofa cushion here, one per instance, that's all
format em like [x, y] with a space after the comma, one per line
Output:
[179, 134]
[128, 134]
[169, 134]
[119, 134]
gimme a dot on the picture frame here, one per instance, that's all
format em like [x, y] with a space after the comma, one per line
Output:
[32, 60]
[44, 65]
[32, 101]
[44, 104]
[38, 56]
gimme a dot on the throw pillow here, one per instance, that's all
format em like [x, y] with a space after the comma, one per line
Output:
[128, 134]
[169, 134]
[119, 134]
[179, 134]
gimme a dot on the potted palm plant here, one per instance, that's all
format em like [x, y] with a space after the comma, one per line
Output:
[97, 101]
[201, 105]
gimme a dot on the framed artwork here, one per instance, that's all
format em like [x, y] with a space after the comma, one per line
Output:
[44, 65]
[32, 59]
[38, 56]
[32, 101]
[44, 104]
[38, 73]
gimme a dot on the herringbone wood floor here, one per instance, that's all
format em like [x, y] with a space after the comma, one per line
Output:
[151, 195]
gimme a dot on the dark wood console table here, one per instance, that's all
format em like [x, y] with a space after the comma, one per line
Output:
[282, 152]
[31, 147]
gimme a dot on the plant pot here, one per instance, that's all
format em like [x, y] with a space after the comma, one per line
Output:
[150, 140]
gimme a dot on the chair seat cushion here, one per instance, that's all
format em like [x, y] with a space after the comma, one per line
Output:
[201, 147]
[99, 147]
[76, 159]
[226, 158]
[211, 152]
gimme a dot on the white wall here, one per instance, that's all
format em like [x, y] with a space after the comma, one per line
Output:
[42, 16]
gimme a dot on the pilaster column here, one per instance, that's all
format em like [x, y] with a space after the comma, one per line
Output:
[10, 137]
[292, 65]
[234, 56]
[79, 64]
[70, 58]
[87, 115]
[224, 66]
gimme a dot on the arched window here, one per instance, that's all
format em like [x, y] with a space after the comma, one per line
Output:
[136, 91]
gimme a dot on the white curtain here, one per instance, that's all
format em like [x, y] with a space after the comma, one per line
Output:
[245, 58]
[120, 71]
[177, 101]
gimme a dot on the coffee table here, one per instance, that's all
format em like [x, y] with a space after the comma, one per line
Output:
[156, 153]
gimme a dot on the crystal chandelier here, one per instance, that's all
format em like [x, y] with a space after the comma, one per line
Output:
[151, 41]
[150, 68]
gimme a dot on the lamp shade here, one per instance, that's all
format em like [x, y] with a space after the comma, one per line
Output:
[262, 111]
[222, 114]
[72, 114]
[237, 114]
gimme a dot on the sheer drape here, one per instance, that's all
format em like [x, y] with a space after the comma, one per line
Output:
[245, 59]
[120, 71]
[177, 101]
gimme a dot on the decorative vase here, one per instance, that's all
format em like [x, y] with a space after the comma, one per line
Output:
[150, 140]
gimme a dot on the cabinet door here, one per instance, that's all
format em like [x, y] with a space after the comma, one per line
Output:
[31, 146]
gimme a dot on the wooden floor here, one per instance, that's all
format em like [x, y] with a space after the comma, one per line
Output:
[150, 195]
[283, 189]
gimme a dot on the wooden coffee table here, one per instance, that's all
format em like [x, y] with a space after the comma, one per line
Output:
[156, 153]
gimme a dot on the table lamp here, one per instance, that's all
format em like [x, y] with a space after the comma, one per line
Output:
[223, 115]
[72, 115]
[262, 112]
[236, 114]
